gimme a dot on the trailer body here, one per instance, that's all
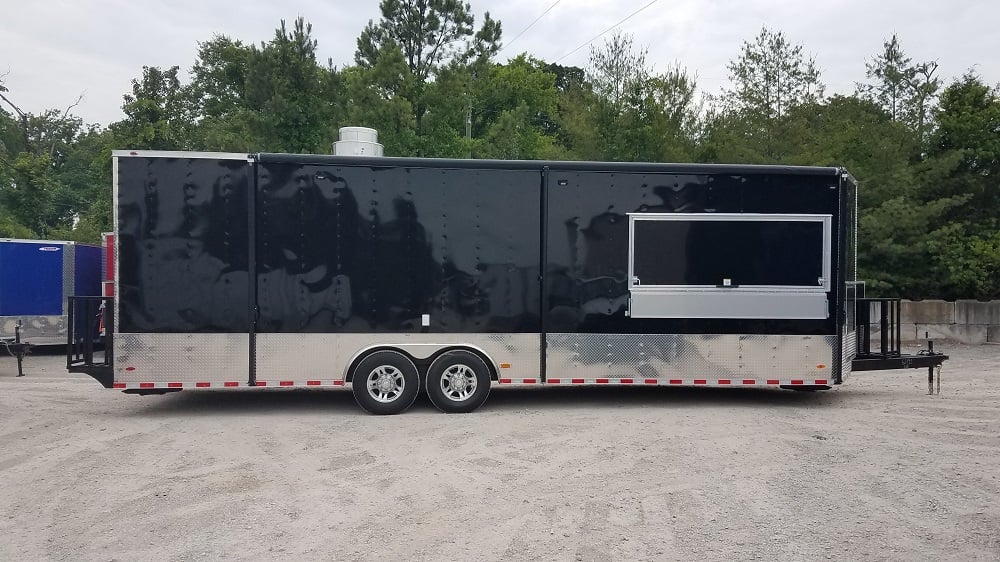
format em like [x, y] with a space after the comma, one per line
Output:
[36, 279]
[238, 270]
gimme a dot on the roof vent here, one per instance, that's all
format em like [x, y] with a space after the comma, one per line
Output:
[357, 141]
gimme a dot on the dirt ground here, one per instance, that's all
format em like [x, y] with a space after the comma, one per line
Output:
[874, 469]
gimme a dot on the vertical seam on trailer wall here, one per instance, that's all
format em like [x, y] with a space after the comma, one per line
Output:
[543, 258]
[253, 162]
[68, 288]
[840, 287]
[114, 228]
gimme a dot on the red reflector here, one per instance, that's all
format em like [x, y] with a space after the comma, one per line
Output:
[175, 385]
[504, 381]
[749, 381]
[530, 381]
[130, 369]
[261, 383]
[286, 383]
[202, 384]
[146, 385]
[118, 385]
[794, 381]
[626, 381]
[553, 381]
[676, 381]
[700, 381]
[724, 381]
[576, 381]
[602, 381]
[820, 381]
[773, 381]
[338, 383]
[651, 381]
[230, 383]
[313, 383]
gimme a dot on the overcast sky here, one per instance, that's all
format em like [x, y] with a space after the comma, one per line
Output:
[53, 51]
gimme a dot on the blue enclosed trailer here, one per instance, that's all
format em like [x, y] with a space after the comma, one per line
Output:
[36, 277]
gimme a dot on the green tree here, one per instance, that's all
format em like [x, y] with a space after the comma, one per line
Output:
[963, 164]
[771, 76]
[638, 115]
[512, 110]
[756, 120]
[429, 34]
[292, 100]
[157, 112]
[906, 90]
[219, 96]
[374, 99]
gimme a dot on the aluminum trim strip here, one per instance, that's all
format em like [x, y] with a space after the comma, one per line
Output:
[49, 242]
[180, 154]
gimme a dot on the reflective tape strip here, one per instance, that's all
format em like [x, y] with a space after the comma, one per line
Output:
[225, 384]
[669, 382]
[533, 381]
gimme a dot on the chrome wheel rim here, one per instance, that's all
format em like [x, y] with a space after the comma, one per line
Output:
[385, 383]
[458, 382]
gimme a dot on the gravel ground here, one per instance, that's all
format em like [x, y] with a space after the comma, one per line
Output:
[874, 469]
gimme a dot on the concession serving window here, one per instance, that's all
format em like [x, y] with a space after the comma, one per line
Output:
[727, 265]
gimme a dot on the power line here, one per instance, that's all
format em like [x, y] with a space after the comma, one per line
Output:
[523, 31]
[594, 38]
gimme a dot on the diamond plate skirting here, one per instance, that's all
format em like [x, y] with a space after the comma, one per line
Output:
[181, 357]
[327, 356]
[689, 356]
[848, 353]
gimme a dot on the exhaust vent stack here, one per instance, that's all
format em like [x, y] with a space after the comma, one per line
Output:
[357, 141]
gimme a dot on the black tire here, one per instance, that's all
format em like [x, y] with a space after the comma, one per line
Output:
[452, 367]
[385, 383]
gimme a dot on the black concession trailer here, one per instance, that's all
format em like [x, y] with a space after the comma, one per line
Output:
[395, 275]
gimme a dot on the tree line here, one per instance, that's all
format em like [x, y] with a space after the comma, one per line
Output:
[926, 153]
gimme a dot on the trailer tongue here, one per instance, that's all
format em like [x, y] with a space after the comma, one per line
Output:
[887, 354]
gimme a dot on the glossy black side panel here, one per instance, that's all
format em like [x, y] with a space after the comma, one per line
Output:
[369, 249]
[182, 235]
[587, 223]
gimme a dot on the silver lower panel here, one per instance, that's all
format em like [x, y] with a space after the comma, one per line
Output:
[328, 356]
[686, 356]
[38, 330]
[728, 303]
[182, 357]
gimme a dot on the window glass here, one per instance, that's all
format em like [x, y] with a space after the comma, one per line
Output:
[757, 252]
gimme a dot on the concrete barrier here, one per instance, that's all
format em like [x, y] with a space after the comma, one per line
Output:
[964, 321]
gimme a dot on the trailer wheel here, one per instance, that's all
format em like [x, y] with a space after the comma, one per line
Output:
[458, 382]
[385, 382]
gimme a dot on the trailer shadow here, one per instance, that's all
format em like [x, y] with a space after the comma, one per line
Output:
[341, 401]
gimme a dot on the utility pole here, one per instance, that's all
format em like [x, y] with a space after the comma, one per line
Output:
[468, 124]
